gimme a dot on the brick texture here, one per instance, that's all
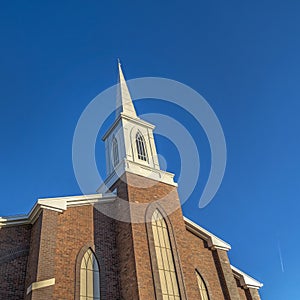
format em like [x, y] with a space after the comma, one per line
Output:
[225, 273]
[242, 292]
[252, 294]
[190, 252]
[54, 245]
[14, 249]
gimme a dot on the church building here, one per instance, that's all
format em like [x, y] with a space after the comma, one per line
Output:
[127, 241]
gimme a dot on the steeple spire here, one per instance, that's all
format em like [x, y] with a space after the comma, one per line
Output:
[124, 101]
[129, 143]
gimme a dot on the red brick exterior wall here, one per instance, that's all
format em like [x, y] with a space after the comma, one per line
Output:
[138, 261]
[32, 265]
[46, 256]
[191, 253]
[201, 258]
[79, 228]
[14, 249]
[241, 291]
[252, 294]
[75, 230]
[55, 244]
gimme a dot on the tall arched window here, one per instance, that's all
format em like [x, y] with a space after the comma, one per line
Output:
[89, 277]
[115, 151]
[165, 259]
[140, 146]
[202, 287]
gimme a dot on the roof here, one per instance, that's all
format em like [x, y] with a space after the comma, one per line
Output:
[61, 204]
[58, 204]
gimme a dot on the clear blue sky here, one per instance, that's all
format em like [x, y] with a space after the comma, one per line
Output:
[243, 57]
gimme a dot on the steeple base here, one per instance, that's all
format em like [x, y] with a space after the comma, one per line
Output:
[138, 169]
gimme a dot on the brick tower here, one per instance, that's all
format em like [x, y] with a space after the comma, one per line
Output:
[127, 241]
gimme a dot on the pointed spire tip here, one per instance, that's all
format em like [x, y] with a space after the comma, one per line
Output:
[124, 101]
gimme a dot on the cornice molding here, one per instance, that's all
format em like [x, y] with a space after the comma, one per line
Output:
[245, 280]
[59, 204]
[138, 169]
[215, 242]
[212, 240]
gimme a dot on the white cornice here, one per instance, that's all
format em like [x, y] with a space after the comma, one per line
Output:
[137, 169]
[58, 204]
[213, 241]
[246, 281]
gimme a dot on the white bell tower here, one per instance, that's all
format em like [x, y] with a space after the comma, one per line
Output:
[129, 143]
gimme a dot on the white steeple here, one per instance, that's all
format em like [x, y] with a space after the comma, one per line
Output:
[129, 143]
[124, 101]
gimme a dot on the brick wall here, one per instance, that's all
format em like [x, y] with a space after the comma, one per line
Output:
[14, 249]
[191, 253]
[199, 257]
[106, 251]
[242, 292]
[252, 294]
[124, 250]
[75, 230]
[79, 228]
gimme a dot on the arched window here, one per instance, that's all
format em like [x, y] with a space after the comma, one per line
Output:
[89, 277]
[140, 145]
[202, 287]
[164, 256]
[115, 151]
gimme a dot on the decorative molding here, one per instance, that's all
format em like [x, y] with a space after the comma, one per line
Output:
[153, 258]
[245, 280]
[40, 284]
[213, 241]
[59, 204]
[138, 169]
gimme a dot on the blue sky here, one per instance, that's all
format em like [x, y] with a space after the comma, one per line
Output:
[243, 57]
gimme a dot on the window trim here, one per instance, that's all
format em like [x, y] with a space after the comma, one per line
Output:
[153, 260]
[164, 254]
[115, 152]
[198, 274]
[141, 147]
[102, 276]
[90, 257]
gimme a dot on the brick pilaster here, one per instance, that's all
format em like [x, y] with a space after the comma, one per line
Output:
[42, 254]
[252, 294]
[227, 279]
[136, 266]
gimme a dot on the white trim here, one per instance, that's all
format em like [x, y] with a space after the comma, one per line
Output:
[138, 169]
[246, 281]
[40, 284]
[59, 204]
[212, 240]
